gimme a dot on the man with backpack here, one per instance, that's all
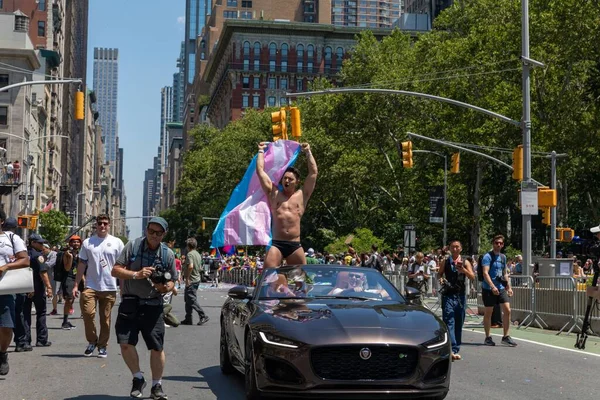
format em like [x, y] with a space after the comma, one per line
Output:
[496, 289]
[375, 261]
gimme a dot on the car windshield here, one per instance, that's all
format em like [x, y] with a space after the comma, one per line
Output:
[326, 281]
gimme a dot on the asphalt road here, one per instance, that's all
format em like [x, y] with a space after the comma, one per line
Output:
[530, 371]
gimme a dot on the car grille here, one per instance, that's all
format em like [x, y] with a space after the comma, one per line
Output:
[345, 362]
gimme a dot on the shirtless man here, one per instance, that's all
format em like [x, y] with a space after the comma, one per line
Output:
[287, 208]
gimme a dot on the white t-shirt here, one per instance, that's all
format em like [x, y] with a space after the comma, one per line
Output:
[100, 254]
[6, 247]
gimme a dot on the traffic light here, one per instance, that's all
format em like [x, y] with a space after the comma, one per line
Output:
[279, 128]
[33, 221]
[564, 234]
[407, 154]
[79, 105]
[518, 163]
[546, 215]
[23, 221]
[455, 169]
[547, 197]
[296, 125]
[203, 225]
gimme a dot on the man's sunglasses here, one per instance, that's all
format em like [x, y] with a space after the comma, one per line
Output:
[154, 233]
[500, 243]
[356, 276]
[103, 223]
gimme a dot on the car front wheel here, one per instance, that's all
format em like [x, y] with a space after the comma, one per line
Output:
[224, 359]
[252, 392]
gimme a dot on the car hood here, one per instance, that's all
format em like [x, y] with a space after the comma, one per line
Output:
[329, 321]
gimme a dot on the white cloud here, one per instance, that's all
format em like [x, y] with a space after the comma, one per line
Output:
[181, 20]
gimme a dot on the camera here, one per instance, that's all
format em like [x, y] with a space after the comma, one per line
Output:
[445, 287]
[160, 273]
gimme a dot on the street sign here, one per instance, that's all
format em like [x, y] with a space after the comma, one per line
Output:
[436, 204]
[410, 237]
[30, 197]
[22, 197]
[409, 227]
[529, 198]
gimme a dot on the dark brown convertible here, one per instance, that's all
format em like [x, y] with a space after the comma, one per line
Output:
[329, 330]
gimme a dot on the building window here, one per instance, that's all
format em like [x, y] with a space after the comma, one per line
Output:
[1, 4]
[3, 115]
[3, 80]
[229, 14]
[272, 65]
[299, 85]
[246, 3]
[310, 51]
[283, 101]
[245, 100]
[42, 5]
[41, 28]
[283, 83]
[257, 65]
[272, 83]
[272, 101]
[21, 23]
[246, 48]
[284, 66]
[300, 51]
[256, 101]
[256, 82]
[300, 66]
[246, 82]
[327, 59]
[246, 15]
[284, 51]
[231, 3]
[309, 67]
[272, 51]
[246, 65]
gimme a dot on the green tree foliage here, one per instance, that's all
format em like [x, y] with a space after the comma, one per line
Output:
[472, 55]
[124, 239]
[54, 226]
[361, 241]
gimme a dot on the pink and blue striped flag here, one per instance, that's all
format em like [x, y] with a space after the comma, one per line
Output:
[246, 219]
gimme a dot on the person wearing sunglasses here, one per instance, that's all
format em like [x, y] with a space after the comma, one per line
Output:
[97, 257]
[496, 289]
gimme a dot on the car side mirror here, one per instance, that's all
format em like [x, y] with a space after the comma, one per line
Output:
[411, 293]
[238, 292]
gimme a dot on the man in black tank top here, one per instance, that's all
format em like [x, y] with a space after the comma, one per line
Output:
[453, 275]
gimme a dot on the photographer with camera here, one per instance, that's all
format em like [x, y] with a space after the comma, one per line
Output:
[69, 261]
[147, 271]
[453, 273]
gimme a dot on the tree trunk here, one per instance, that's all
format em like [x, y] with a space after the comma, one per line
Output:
[476, 227]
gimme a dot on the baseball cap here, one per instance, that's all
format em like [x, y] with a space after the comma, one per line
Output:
[10, 223]
[311, 252]
[75, 237]
[159, 221]
[35, 237]
[595, 229]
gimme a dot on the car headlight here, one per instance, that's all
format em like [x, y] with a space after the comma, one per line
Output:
[437, 341]
[275, 340]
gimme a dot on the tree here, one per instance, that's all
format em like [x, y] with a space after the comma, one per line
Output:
[54, 226]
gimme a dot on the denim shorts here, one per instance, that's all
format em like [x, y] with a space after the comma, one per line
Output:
[7, 311]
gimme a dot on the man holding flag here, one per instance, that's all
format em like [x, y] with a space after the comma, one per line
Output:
[287, 207]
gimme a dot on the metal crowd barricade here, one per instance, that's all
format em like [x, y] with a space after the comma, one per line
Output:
[556, 296]
[523, 298]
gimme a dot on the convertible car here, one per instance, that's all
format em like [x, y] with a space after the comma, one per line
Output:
[333, 331]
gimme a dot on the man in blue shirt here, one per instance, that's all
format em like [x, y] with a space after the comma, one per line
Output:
[496, 289]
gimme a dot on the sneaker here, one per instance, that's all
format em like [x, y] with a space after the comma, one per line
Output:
[137, 387]
[507, 340]
[67, 326]
[489, 341]
[187, 322]
[89, 350]
[53, 312]
[25, 347]
[4, 364]
[157, 393]
[102, 352]
[203, 320]
[43, 344]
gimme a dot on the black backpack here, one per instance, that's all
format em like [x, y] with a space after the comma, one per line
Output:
[377, 263]
[480, 265]
[59, 271]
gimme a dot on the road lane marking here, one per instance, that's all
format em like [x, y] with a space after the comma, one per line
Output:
[582, 352]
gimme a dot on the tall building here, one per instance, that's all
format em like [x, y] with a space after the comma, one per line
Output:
[166, 116]
[179, 86]
[195, 19]
[365, 14]
[430, 7]
[148, 196]
[106, 76]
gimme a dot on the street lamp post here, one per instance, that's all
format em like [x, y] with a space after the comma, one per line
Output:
[445, 190]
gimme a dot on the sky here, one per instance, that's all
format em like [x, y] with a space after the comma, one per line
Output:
[148, 35]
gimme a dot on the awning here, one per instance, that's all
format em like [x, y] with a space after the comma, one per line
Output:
[52, 57]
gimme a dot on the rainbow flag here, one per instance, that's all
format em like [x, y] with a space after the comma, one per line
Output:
[246, 219]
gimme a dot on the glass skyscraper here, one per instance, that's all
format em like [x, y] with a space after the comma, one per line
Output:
[106, 80]
[195, 18]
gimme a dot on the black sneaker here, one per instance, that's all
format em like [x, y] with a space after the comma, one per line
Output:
[4, 364]
[489, 341]
[187, 322]
[137, 387]
[25, 347]
[68, 326]
[89, 350]
[507, 340]
[43, 344]
[203, 320]
[157, 392]
[102, 352]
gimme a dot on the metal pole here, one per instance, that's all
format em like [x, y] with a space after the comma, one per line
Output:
[526, 126]
[553, 210]
[445, 201]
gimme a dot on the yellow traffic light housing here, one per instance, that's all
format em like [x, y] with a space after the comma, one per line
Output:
[407, 154]
[296, 125]
[546, 220]
[517, 158]
[23, 221]
[33, 221]
[279, 128]
[564, 234]
[455, 169]
[547, 197]
[79, 105]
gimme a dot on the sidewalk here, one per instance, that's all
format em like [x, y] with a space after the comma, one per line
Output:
[474, 323]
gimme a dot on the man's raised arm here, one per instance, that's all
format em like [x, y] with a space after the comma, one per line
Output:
[311, 178]
[264, 179]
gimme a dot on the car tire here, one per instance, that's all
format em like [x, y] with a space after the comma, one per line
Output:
[227, 367]
[251, 390]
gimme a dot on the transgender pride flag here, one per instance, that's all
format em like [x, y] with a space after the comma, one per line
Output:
[247, 218]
